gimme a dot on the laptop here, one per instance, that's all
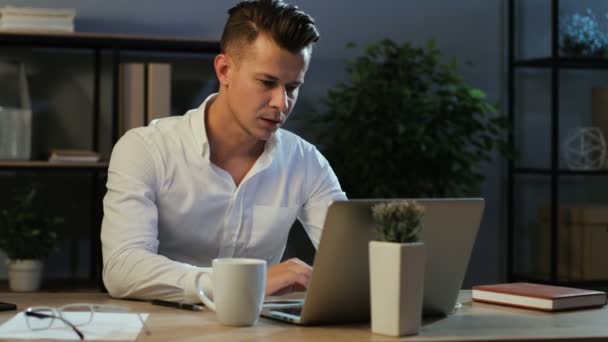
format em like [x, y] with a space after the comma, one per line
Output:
[339, 288]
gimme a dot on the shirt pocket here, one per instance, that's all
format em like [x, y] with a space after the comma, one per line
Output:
[270, 229]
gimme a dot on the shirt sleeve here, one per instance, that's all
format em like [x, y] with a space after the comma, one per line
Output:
[132, 267]
[323, 189]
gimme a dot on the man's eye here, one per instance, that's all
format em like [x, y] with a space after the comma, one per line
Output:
[268, 83]
[291, 89]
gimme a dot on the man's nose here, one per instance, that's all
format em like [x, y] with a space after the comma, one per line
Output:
[279, 99]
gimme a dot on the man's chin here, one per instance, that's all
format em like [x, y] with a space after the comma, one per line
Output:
[266, 134]
[264, 138]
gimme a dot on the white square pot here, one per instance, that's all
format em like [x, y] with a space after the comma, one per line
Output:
[396, 287]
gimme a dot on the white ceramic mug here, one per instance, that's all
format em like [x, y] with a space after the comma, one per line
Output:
[239, 286]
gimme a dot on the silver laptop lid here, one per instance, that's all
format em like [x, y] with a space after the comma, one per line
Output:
[339, 288]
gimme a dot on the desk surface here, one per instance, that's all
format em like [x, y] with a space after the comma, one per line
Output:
[472, 322]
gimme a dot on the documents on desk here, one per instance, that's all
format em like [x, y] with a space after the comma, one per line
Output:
[539, 296]
[105, 326]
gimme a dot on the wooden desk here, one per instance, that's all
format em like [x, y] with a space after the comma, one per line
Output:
[472, 322]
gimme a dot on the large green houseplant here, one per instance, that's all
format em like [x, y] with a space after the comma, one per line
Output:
[405, 124]
[27, 235]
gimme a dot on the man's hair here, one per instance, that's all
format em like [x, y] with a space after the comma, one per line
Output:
[287, 25]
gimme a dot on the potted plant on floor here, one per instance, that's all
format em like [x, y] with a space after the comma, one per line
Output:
[27, 236]
[397, 266]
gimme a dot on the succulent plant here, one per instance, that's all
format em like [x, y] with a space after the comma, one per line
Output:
[398, 221]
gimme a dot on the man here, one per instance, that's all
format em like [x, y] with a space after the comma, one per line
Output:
[223, 180]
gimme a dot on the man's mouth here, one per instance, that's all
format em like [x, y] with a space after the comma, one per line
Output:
[271, 122]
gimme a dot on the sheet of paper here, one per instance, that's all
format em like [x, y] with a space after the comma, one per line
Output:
[105, 326]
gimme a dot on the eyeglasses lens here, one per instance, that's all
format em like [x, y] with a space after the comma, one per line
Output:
[40, 323]
[77, 314]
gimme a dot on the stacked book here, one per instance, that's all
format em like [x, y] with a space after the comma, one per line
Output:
[144, 94]
[73, 156]
[37, 19]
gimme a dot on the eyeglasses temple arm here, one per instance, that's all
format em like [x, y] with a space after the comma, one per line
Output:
[143, 324]
[38, 314]
[72, 326]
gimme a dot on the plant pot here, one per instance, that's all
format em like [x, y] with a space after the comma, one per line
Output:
[396, 287]
[24, 275]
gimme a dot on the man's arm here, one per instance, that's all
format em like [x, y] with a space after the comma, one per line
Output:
[129, 234]
[322, 188]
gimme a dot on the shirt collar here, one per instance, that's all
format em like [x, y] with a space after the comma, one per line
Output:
[199, 130]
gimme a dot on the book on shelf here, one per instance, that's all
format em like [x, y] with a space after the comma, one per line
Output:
[39, 19]
[158, 91]
[582, 239]
[538, 296]
[73, 156]
[144, 94]
[131, 96]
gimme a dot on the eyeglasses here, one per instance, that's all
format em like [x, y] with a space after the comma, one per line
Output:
[73, 315]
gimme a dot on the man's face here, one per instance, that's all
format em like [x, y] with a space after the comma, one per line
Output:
[263, 85]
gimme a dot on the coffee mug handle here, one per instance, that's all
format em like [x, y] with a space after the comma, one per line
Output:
[201, 292]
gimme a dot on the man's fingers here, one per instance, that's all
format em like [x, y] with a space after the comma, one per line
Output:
[288, 276]
[302, 279]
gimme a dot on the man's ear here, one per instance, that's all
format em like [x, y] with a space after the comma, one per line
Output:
[222, 64]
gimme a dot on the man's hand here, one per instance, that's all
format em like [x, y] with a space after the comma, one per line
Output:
[289, 276]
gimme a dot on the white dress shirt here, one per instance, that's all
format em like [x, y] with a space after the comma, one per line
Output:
[168, 211]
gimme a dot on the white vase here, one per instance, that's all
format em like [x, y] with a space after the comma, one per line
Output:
[24, 275]
[396, 287]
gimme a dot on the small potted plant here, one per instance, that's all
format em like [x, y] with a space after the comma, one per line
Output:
[27, 236]
[397, 267]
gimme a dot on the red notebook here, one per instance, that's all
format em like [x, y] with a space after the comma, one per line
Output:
[538, 296]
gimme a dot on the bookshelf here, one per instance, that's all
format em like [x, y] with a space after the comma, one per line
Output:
[92, 40]
[108, 52]
[41, 164]
[550, 249]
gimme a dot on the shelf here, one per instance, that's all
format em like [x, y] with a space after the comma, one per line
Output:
[556, 173]
[563, 62]
[41, 164]
[561, 172]
[118, 46]
[61, 285]
[90, 40]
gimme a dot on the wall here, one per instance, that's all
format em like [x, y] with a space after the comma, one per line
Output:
[470, 30]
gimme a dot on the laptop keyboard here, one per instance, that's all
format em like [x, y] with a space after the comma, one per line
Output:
[296, 311]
